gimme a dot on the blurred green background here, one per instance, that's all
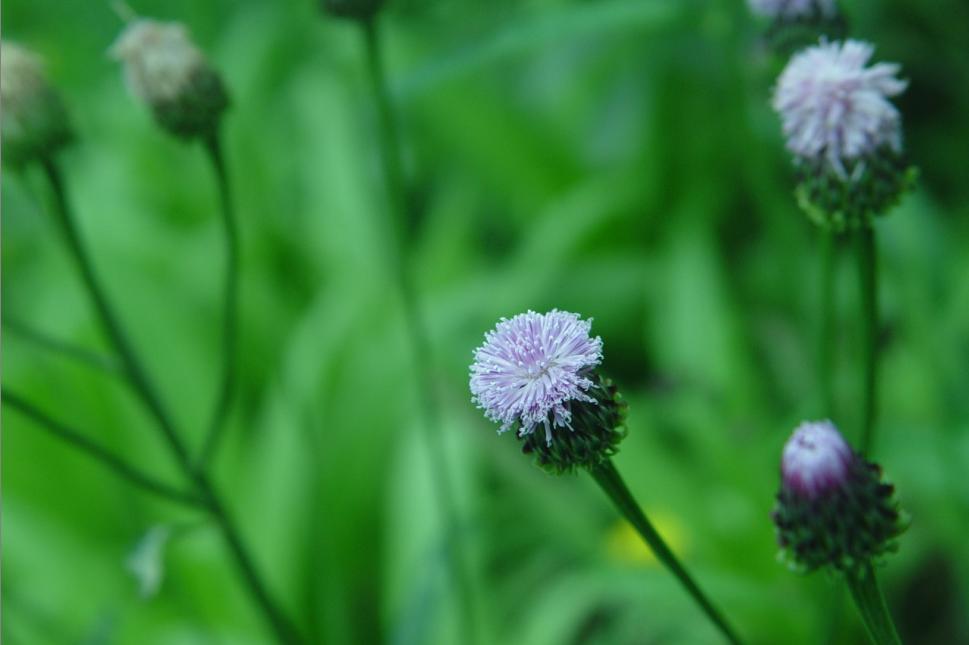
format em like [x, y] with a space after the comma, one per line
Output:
[616, 158]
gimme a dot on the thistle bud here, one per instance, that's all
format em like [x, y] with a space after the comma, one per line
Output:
[164, 68]
[795, 23]
[844, 133]
[355, 9]
[34, 120]
[832, 508]
[539, 372]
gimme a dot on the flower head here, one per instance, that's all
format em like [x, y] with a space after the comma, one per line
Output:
[833, 508]
[835, 108]
[816, 459]
[35, 122]
[530, 369]
[541, 369]
[793, 9]
[164, 68]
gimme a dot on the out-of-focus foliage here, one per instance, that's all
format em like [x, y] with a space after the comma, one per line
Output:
[616, 158]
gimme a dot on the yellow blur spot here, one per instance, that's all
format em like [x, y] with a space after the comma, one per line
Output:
[624, 544]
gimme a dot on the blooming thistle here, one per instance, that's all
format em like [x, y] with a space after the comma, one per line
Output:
[539, 371]
[164, 68]
[844, 133]
[34, 119]
[832, 508]
[795, 23]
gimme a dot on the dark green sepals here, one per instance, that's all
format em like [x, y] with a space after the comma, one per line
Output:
[845, 529]
[197, 109]
[597, 429]
[785, 36]
[873, 185]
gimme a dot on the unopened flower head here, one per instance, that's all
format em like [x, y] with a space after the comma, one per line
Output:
[833, 508]
[34, 121]
[793, 9]
[164, 68]
[539, 371]
[816, 459]
[843, 130]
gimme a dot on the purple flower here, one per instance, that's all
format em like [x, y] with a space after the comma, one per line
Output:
[531, 367]
[790, 9]
[834, 108]
[816, 460]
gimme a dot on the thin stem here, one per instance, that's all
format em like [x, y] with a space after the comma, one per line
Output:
[230, 312]
[92, 449]
[611, 482]
[391, 158]
[826, 327]
[868, 274]
[101, 362]
[282, 628]
[871, 605]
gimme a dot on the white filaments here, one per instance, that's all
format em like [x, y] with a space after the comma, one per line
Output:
[834, 108]
[159, 59]
[531, 367]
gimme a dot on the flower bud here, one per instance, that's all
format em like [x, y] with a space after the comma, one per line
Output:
[34, 120]
[164, 68]
[356, 9]
[539, 371]
[844, 133]
[832, 508]
[796, 23]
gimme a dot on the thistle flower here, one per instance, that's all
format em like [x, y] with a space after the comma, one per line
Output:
[164, 69]
[357, 9]
[34, 120]
[793, 9]
[539, 370]
[843, 131]
[832, 508]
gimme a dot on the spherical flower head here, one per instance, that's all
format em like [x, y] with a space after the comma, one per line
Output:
[34, 120]
[164, 69]
[355, 9]
[793, 9]
[843, 131]
[832, 508]
[538, 371]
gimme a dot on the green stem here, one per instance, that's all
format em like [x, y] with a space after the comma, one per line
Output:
[282, 628]
[92, 449]
[871, 605]
[391, 158]
[868, 274]
[96, 360]
[611, 482]
[230, 324]
[826, 327]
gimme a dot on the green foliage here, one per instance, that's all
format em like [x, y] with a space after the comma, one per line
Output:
[616, 158]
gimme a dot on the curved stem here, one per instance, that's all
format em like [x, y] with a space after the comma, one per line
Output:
[230, 315]
[826, 327]
[871, 605]
[868, 274]
[92, 449]
[397, 227]
[42, 340]
[282, 628]
[611, 482]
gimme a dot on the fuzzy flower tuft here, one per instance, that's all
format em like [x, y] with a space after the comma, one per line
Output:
[793, 9]
[530, 369]
[816, 459]
[835, 108]
[34, 120]
[164, 68]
